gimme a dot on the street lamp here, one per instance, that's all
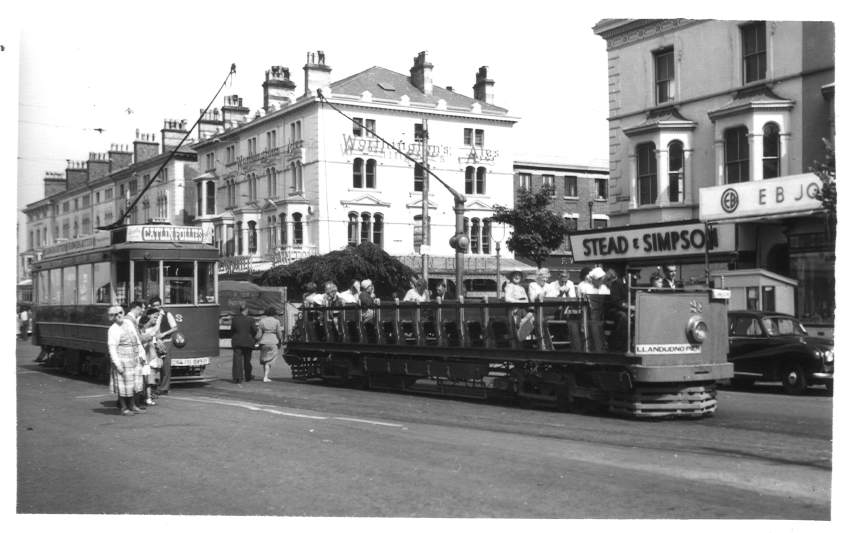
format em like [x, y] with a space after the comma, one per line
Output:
[500, 230]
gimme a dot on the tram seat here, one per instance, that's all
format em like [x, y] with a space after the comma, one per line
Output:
[387, 330]
[474, 333]
[370, 332]
[451, 334]
[352, 328]
[501, 333]
[408, 331]
[556, 335]
[430, 335]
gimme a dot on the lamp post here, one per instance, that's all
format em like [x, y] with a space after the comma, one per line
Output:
[498, 260]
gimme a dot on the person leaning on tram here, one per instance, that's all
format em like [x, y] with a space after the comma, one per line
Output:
[595, 292]
[167, 325]
[126, 356]
[617, 310]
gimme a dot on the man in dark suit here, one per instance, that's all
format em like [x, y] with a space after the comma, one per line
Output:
[243, 340]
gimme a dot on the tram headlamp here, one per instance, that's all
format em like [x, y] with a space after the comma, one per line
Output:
[697, 329]
[178, 339]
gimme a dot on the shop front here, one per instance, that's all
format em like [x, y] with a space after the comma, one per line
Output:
[791, 241]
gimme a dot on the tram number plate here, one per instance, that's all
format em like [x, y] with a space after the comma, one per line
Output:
[196, 361]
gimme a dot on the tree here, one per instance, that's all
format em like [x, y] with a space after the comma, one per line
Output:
[537, 231]
[828, 191]
[363, 261]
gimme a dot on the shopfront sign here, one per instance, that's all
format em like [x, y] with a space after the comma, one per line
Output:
[763, 198]
[163, 233]
[649, 242]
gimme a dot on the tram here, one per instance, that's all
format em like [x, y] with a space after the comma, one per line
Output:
[676, 351]
[76, 281]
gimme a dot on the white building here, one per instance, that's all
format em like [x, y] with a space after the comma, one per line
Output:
[299, 178]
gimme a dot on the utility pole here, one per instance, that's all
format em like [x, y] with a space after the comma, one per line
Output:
[425, 214]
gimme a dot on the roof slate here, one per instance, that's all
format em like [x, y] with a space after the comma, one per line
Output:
[372, 78]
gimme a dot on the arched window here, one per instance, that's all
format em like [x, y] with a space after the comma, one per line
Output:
[418, 178]
[480, 180]
[736, 155]
[272, 233]
[646, 174]
[377, 232]
[300, 176]
[676, 171]
[297, 229]
[358, 173]
[284, 237]
[251, 237]
[293, 170]
[470, 180]
[772, 151]
[466, 226]
[273, 182]
[352, 227]
[486, 236]
[210, 198]
[476, 236]
[371, 173]
[365, 227]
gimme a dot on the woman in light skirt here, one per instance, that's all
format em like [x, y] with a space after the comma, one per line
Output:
[270, 340]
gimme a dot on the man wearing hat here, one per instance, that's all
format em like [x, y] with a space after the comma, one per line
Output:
[244, 330]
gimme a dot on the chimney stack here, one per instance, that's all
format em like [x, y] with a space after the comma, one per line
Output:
[76, 174]
[54, 183]
[120, 157]
[144, 147]
[233, 113]
[316, 73]
[98, 166]
[277, 89]
[172, 132]
[483, 88]
[421, 74]
[210, 124]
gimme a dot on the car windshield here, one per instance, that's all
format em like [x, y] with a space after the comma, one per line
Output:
[776, 326]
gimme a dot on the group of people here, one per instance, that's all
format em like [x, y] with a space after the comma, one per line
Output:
[140, 369]
[249, 334]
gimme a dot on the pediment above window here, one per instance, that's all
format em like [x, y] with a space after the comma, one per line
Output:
[417, 204]
[750, 100]
[477, 205]
[660, 119]
[365, 200]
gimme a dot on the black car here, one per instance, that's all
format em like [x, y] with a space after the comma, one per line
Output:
[768, 346]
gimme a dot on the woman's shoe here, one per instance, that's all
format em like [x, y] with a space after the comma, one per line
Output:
[266, 380]
[149, 402]
[127, 412]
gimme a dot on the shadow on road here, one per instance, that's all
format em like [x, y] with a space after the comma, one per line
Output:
[764, 387]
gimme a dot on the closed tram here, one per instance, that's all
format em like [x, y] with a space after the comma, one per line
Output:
[76, 281]
[676, 351]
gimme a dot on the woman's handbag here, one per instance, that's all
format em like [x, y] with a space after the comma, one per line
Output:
[159, 346]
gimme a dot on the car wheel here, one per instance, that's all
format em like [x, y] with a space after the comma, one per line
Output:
[793, 379]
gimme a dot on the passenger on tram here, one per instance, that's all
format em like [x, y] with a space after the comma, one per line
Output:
[514, 292]
[441, 291]
[595, 298]
[617, 310]
[311, 294]
[367, 300]
[351, 296]
[564, 286]
[418, 293]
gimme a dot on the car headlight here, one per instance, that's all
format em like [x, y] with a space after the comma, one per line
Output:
[827, 355]
[697, 329]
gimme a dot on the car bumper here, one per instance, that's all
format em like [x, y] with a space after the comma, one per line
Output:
[822, 377]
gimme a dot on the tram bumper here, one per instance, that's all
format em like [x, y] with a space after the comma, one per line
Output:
[682, 373]
[189, 370]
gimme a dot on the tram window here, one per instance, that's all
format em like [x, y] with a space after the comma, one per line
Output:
[146, 280]
[480, 285]
[122, 282]
[84, 284]
[101, 283]
[56, 286]
[206, 283]
[43, 287]
[178, 277]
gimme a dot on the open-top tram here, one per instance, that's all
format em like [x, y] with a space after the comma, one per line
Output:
[76, 281]
[676, 351]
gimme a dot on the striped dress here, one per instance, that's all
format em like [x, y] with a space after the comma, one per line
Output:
[124, 350]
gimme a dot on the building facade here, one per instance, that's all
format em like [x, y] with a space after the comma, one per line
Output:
[304, 176]
[96, 192]
[580, 196]
[755, 107]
